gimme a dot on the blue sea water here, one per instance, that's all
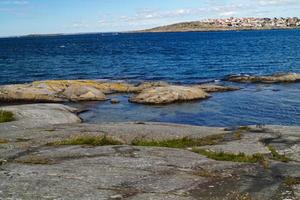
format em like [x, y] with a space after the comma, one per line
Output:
[184, 58]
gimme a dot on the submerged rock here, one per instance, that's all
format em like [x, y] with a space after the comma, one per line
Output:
[114, 101]
[216, 88]
[275, 78]
[169, 94]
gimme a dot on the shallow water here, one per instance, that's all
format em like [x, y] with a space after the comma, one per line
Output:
[175, 57]
[254, 104]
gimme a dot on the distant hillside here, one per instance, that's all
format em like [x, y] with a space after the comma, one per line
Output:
[230, 24]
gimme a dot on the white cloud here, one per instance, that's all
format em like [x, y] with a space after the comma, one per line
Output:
[79, 25]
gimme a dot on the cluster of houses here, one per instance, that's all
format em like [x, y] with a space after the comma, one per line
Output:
[255, 22]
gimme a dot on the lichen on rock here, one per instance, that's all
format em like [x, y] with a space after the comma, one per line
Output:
[62, 90]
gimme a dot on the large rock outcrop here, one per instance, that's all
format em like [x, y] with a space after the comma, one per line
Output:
[275, 78]
[30, 93]
[104, 86]
[69, 90]
[62, 90]
[169, 94]
[92, 90]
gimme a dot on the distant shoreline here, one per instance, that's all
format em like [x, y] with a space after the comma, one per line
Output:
[149, 31]
[155, 31]
[214, 30]
[232, 24]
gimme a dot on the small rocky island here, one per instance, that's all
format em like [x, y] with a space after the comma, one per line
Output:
[48, 152]
[232, 23]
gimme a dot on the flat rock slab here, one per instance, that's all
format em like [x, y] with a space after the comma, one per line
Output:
[103, 173]
[287, 141]
[38, 115]
[169, 94]
[276, 78]
[22, 140]
[126, 172]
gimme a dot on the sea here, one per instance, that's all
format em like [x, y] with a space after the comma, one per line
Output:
[179, 58]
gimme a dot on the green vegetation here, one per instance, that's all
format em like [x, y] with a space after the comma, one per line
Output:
[223, 156]
[237, 135]
[265, 163]
[22, 139]
[276, 155]
[6, 116]
[92, 140]
[206, 173]
[290, 181]
[244, 128]
[36, 160]
[181, 142]
[3, 141]
[50, 129]
[235, 195]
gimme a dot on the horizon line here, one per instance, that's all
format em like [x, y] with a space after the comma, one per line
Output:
[127, 31]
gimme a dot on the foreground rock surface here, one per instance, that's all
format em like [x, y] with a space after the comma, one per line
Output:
[276, 78]
[169, 94]
[30, 168]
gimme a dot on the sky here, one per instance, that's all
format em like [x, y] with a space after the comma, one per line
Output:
[22, 17]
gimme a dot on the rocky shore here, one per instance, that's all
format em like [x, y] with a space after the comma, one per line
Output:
[42, 157]
[47, 152]
[144, 93]
[91, 90]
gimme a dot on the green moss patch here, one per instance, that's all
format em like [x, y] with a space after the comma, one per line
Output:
[3, 141]
[235, 195]
[6, 116]
[223, 156]
[290, 181]
[92, 140]
[237, 135]
[207, 173]
[276, 155]
[181, 142]
[36, 160]
[244, 128]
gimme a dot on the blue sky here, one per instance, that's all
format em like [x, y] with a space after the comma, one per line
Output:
[19, 17]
